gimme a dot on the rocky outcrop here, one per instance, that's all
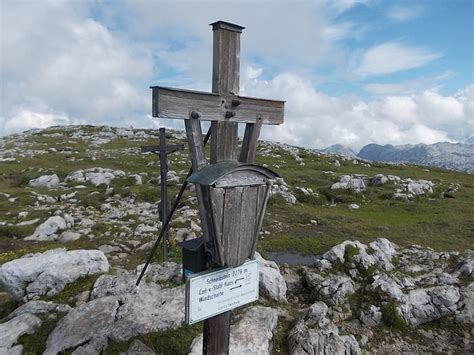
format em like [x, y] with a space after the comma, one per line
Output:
[251, 333]
[332, 290]
[51, 228]
[48, 181]
[272, 283]
[117, 311]
[95, 176]
[48, 273]
[347, 182]
[39, 307]
[316, 334]
[424, 305]
[15, 328]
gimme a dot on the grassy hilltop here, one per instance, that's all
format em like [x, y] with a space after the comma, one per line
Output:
[429, 220]
[121, 217]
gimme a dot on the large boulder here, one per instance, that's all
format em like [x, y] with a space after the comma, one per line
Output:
[348, 182]
[316, 334]
[424, 305]
[272, 283]
[465, 313]
[378, 253]
[49, 230]
[332, 289]
[117, 311]
[96, 176]
[39, 307]
[48, 181]
[15, 328]
[48, 273]
[250, 334]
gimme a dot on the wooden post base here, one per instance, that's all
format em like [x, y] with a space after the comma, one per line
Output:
[216, 335]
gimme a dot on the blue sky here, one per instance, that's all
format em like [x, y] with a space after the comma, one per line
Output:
[351, 72]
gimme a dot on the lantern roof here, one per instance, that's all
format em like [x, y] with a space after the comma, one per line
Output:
[210, 174]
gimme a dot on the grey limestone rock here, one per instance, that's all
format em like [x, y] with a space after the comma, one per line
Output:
[466, 305]
[332, 289]
[47, 273]
[138, 348]
[117, 311]
[348, 182]
[314, 334]
[49, 230]
[424, 305]
[251, 334]
[390, 286]
[48, 181]
[166, 271]
[10, 332]
[39, 307]
[272, 283]
[371, 316]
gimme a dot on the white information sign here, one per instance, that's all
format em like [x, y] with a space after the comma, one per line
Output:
[211, 293]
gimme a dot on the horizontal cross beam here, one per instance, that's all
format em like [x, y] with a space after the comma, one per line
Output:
[184, 104]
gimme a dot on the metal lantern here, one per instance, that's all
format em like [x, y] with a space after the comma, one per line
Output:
[236, 195]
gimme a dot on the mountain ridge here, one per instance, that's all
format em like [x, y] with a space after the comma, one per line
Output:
[454, 156]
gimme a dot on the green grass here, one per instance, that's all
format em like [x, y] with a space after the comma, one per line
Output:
[171, 342]
[391, 318]
[36, 343]
[71, 290]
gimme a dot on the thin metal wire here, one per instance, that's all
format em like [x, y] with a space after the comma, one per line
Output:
[166, 224]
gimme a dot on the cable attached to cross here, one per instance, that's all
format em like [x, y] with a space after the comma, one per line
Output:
[168, 219]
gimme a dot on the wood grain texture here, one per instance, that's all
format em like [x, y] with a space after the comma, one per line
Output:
[248, 219]
[178, 104]
[250, 142]
[196, 144]
[226, 62]
[262, 200]
[217, 210]
[231, 225]
[224, 141]
[216, 335]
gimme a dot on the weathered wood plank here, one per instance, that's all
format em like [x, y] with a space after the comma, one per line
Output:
[224, 141]
[226, 62]
[247, 222]
[216, 335]
[178, 104]
[261, 206]
[198, 161]
[217, 210]
[231, 225]
[250, 142]
[196, 144]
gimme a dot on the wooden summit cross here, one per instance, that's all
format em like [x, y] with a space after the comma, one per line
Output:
[225, 109]
[163, 150]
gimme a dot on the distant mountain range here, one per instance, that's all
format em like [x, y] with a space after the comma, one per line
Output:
[455, 156]
[340, 150]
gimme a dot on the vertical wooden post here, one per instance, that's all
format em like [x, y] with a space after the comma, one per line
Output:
[164, 188]
[225, 80]
[224, 143]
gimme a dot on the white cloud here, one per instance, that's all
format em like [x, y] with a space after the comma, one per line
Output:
[314, 119]
[24, 119]
[403, 13]
[432, 83]
[57, 59]
[391, 57]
